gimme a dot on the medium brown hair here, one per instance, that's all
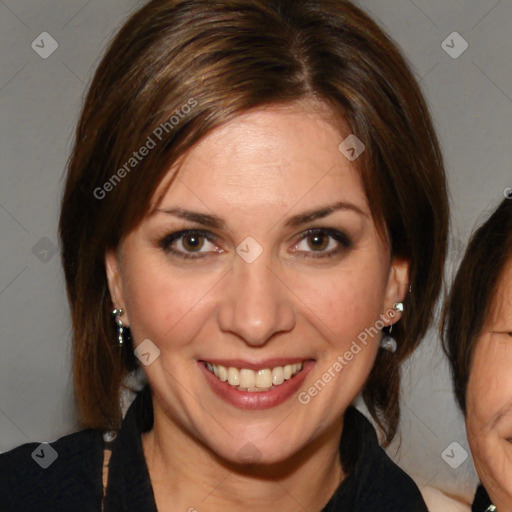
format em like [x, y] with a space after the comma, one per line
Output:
[226, 58]
[474, 288]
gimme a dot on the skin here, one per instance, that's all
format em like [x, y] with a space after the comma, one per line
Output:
[255, 172]
[489, 399]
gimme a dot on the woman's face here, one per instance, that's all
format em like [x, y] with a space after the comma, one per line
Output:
[489, 398]
[261, 254]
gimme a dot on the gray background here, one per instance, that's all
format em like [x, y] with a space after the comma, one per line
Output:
[471, 102]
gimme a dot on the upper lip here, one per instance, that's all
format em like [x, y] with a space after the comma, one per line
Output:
[252, 365]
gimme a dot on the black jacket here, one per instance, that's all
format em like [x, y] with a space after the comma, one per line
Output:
[73, 481]
[482, 501]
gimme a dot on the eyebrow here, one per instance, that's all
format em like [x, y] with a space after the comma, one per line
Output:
[215, 222]
[310, 216]
[211, 221]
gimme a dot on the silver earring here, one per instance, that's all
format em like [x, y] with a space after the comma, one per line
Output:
[398, 306]
[388, 343]
[116, 313]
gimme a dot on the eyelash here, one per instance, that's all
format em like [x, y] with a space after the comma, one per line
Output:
[340, 237]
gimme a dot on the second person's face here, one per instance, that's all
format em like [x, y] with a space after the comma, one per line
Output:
[489, 399]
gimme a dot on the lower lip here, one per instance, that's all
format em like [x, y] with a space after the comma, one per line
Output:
[256, 400]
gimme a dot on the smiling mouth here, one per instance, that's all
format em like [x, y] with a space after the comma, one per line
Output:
[245, 379]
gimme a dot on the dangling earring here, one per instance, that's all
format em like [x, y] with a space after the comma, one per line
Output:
[116, 313]
[388, 342]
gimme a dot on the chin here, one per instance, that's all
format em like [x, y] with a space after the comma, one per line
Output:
[250, 452]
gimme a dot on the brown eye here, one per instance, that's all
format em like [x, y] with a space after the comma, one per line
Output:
[318, 241]
[190, 244]
[322, 243]
[193, 242]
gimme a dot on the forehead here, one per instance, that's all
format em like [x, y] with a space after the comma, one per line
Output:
[501, 306]
[280, 153]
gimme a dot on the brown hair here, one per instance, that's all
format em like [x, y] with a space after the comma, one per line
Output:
[474, 288]
[226, 58]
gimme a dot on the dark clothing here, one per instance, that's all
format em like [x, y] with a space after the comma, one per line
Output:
[482, 501]
[73, 482]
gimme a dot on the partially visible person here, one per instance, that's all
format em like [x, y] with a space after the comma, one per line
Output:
[477, 330]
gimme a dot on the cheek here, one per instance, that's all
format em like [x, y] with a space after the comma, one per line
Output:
[343, 304]
[345, 309]
[493, 462]
[489, 413]
[489, 391]
[162, 304]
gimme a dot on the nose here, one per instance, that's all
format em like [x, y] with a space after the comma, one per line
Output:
[257, 304]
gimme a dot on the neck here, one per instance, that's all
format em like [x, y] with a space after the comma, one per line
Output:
[187, 475]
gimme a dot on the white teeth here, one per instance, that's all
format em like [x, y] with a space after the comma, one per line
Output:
[249, 380]
[233, 376]
[264, 378]
[277, 375]
[223, 374]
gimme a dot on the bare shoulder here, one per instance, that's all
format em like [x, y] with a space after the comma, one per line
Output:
[438, 501]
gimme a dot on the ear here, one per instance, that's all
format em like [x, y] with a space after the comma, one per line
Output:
[396, 289]
[115, 284]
